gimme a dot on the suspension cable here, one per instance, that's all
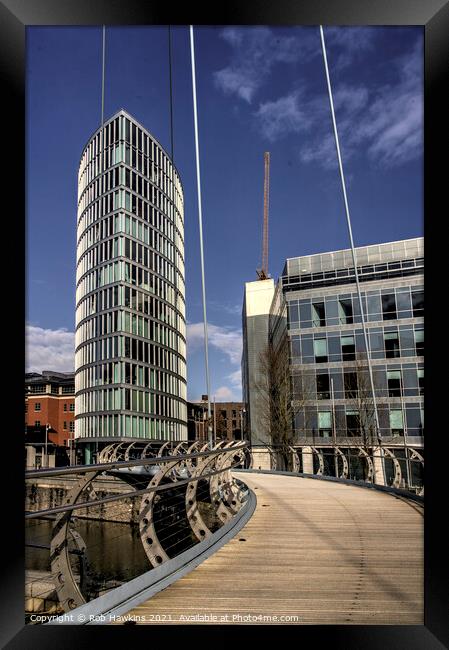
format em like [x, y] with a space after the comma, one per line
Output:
[200, 221]
[348, 221]
[102, 75]
[171, 93]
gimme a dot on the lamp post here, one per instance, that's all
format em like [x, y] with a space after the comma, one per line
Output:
[47, 426]
[242, 412]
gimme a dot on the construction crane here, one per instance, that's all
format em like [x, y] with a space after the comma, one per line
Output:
[263, 272]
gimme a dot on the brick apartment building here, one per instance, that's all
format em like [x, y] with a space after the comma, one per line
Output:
[229, 420]
[50, 400]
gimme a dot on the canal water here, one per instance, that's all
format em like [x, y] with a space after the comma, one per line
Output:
[114, 550]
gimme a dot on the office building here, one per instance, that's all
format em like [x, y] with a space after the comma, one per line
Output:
[315, 325]
[130, 356]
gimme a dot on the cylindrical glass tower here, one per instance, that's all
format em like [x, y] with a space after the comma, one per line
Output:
[130, 350]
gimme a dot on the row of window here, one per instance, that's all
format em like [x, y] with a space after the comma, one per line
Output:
[405, 342]
[95, 224]
[116, 347]
[37, 423]
[370, 272]
[124, 271]
[129, 200]
[121, 128]
[115, 373]
[121, 296]
[121, 175]
[389, 305]
[118, 178]
[123, 153]
[346, 421]
[127, 399]
[125, 321]
[117, 223]
[100, 204]
[107, 249]
[354, 383]
[129, 426]
[37, 407]
[35, 389]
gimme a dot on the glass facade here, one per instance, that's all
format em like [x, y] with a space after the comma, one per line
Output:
[327, 346]
[130, 342]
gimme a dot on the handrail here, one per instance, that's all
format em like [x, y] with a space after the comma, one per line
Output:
[80, 469]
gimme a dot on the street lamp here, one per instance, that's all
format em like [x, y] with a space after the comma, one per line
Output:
[242, 413]
[47, 426]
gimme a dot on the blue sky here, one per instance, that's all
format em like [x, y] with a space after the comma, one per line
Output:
[259, 89]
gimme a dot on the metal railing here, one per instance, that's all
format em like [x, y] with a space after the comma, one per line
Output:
[404, 467]
[176, 501]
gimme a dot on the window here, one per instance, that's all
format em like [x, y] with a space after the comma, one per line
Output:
[320, 350]
[352, 423]
[391, 345]
[37, 406]
[396, 422]
[324, 424]
[72, 426]
[322, 386]
[350, 384]
[389, 307]
[26, 408]
[419, 342]
[421, 381]
[64, 425]
[37, 423]
[65, 407]
[345, 311]
[394, 383]
[72, 408]
[348, 348]
[418, 303]
[318, 315]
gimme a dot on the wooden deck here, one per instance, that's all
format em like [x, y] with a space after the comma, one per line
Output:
[324, 552]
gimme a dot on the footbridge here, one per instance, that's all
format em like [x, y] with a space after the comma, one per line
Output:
[233, 545]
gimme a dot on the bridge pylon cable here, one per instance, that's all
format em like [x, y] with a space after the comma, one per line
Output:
[348, 221]
[200, 224]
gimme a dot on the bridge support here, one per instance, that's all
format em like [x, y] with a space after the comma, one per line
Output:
[379, 461]
[31, 456]
[307, 460]
[261, 458]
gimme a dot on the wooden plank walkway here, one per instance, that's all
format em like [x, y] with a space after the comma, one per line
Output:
[324, 552]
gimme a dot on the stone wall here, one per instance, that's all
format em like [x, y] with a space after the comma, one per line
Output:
[52, 492]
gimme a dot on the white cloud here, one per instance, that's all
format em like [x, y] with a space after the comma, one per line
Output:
[351, 43]
[386, 122]
[48, 349]
[224, 394]
[229, 341]
[255, 51]
[226, 339]
[281, 117]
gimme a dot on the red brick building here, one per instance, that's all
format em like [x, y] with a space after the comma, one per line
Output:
[228, 419]
[50, 400]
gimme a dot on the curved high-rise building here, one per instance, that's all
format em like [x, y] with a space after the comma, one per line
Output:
[130, 350]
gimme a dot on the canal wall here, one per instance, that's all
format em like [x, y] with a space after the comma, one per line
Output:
[50, 492]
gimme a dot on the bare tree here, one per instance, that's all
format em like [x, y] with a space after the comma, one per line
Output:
[360, 398]
[282, 395]
[220, 426]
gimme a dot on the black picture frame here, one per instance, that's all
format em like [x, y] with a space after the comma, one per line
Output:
[15, 16]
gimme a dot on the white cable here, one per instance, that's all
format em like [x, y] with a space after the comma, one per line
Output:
[102, 76]
[200, 222]
[348, 220]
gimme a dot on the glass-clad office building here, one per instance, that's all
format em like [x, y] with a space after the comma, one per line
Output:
[130, 356]
[316, 311]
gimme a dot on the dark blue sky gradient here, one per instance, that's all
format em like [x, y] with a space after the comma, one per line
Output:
[269, 95]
